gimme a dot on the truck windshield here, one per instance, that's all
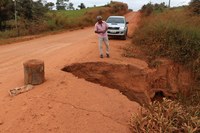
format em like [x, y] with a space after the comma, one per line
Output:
[115, 20]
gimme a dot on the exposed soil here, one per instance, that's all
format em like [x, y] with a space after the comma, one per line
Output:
[63, 103]
[67, 104]
[137, 84]
[117, 76]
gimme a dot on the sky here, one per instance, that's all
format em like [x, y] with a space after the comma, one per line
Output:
[132, 4]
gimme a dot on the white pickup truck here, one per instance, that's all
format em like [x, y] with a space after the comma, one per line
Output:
[117, 26]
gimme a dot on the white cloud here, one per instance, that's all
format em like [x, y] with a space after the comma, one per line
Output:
[133, 4]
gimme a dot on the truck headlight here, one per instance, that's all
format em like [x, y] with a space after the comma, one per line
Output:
[122, 28]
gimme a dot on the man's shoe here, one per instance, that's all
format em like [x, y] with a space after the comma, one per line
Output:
[108, 56]
[101, 56]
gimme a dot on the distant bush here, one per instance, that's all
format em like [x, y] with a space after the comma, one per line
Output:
[195, 6]
[6, 33]
[149, 8]
[114, 8]
[90, 16]
[167, 117]
[118, 8]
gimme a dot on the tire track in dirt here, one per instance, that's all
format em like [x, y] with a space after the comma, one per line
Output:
[7, 63]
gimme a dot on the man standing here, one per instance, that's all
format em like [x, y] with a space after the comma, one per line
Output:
[101, 28]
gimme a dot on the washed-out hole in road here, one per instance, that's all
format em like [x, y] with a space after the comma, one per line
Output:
[129, 80]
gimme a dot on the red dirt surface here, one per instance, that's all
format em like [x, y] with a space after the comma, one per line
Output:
[63, 103]
[129, 80]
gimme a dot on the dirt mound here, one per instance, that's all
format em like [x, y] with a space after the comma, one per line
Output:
[137, 84]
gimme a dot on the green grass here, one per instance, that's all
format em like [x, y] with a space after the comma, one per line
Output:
[71, 14]
[173, 34]
[74, 14]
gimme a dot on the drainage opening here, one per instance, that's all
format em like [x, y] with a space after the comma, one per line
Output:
[159, 95]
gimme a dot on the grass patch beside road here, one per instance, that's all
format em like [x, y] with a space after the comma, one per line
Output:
[175, 34]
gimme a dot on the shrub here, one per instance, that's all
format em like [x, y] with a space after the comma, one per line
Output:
[149, 8]
[8, 33]
[118, 8]
[195, 6]
[114, 8]
[90, 17]
[166, 117]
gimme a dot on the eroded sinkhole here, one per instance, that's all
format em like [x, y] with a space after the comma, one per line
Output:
[129, 80]
[142, 86]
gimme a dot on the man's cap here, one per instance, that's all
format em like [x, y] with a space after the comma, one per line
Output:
[99, 18]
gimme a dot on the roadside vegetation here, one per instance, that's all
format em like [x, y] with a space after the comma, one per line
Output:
[167, 117]
[84, 17]
[175, 34]
[30, 18]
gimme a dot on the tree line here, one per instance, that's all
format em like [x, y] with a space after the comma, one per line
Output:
[26, 9]
[29, 10]
[31, 17]
[148, 9]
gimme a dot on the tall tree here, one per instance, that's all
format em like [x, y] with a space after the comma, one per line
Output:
[70, 6]
[50, 5]
[6, 12]
[195, 6]
[25, 8]
[82, 6]
[61, 4]
[29, 9]
[38, 9]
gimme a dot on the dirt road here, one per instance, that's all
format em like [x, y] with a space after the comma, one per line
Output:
[64, 103]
